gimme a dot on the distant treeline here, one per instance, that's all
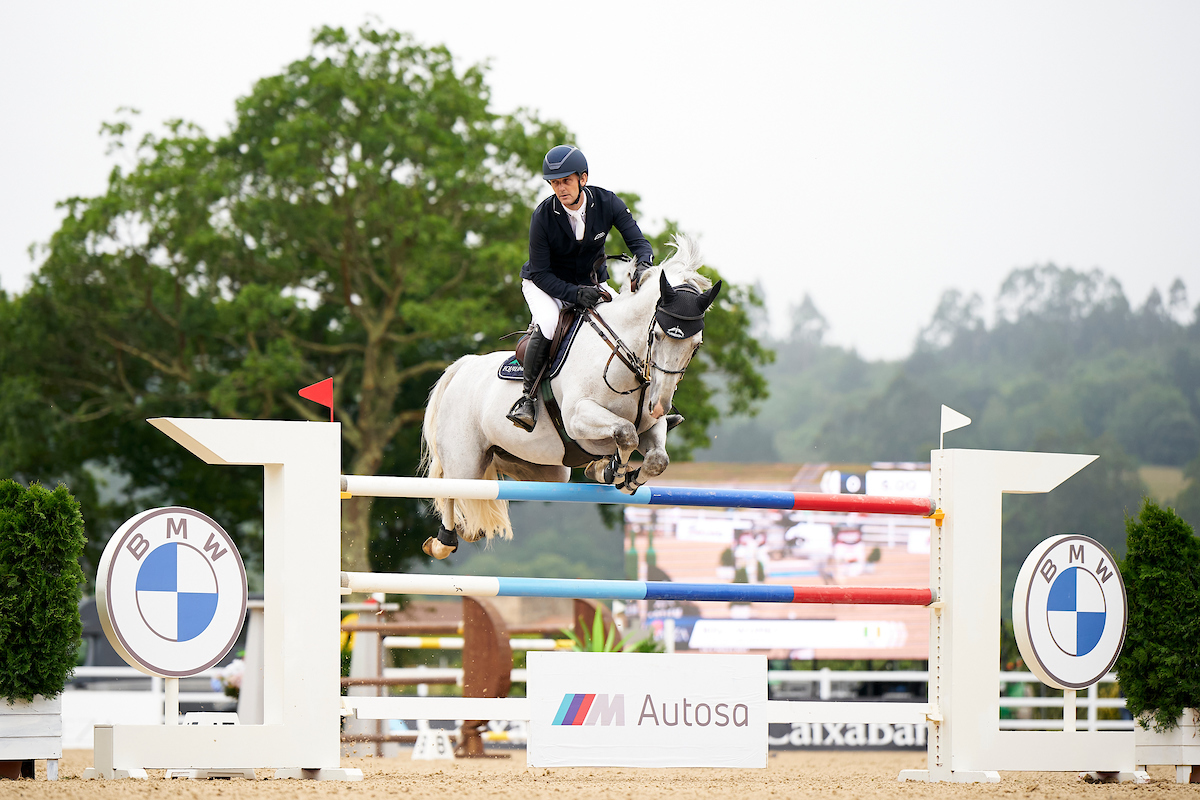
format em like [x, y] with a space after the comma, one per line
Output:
[1067, 364]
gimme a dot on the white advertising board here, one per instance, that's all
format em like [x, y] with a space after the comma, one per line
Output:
[900, 482]
[647, 710]
[171, 592]
[795, 634]
[1069, 611]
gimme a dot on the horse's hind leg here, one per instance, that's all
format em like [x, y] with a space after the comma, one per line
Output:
[465, 454]
[446, 542]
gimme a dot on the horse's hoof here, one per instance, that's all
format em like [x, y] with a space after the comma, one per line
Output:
[611, 469]
[433, 547]
[630, 484]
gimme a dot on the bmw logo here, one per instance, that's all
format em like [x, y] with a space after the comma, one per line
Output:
[1069, 611]
[171, 592]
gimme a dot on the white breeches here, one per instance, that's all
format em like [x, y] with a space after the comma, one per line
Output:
[542, 306]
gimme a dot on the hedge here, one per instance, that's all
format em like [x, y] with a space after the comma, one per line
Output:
[1159, 667]
[41, 539]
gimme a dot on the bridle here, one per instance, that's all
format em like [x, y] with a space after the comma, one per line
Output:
[640, 367]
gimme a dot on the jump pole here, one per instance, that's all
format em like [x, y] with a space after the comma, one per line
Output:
[302, 581]
[389, 486]
[473, 586]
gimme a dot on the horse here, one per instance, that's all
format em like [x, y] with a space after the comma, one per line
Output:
[613, 400]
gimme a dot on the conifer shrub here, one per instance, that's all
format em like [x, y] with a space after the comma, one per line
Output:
[41, 539]
[1159, 666]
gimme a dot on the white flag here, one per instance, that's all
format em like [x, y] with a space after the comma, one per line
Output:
[952, 421]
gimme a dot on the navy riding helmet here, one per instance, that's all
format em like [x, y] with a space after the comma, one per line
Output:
[562, 161]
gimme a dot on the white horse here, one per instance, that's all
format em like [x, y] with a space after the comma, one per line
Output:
[466, 433]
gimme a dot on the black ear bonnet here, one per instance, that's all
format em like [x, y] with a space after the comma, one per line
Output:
[680, 311]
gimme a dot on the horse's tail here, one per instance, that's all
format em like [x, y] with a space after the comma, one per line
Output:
[472, 518]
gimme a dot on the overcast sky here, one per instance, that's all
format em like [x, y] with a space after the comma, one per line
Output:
[870, 154]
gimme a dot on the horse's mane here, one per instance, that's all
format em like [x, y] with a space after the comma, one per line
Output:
[681, 266]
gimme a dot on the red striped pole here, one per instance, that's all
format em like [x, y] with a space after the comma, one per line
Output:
[863, 595]
[864, 504]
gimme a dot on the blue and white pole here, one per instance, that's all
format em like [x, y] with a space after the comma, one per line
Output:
[476, 586]
[389, 486]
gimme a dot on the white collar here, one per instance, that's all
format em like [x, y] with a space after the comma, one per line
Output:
[578, 213]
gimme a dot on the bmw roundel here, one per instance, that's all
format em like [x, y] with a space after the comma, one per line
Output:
[171, 592]
[1069, 611]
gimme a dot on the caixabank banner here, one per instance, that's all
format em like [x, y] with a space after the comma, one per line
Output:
[647, 710]
[846, 736]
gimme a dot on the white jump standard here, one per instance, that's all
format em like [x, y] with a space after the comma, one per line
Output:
[303, 582]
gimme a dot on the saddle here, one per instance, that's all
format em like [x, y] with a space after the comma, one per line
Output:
[569, 320]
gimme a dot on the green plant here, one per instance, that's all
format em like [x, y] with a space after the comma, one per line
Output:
[727, 559]
[41, 539]
[646, 644]
[1159, 667]
[594, 641]
[874, 556]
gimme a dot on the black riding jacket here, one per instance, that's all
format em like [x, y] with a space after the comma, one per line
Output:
[557, 263]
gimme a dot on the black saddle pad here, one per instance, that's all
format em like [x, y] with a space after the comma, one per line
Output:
[511, 369]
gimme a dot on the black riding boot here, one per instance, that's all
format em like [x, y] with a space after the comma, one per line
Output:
[524, 411]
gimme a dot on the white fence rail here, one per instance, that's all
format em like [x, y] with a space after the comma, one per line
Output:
[826, 685]
[1090, 701]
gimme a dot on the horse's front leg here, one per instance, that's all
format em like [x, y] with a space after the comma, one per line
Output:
[653, 443]
[593, 421]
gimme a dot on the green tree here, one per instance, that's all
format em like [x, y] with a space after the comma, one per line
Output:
[1156, 425]
[1187, 504]
[364, 218]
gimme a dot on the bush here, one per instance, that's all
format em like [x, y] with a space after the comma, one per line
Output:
[41, 539]
[1159, 667]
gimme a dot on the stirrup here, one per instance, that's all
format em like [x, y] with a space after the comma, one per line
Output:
[519, 421]
[674, 421]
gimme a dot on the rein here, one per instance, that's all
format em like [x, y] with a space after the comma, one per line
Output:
[640, 368]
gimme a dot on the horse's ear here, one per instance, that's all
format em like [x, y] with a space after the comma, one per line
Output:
[665, 289]
[707, 298]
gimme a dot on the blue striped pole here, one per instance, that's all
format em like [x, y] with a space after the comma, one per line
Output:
[388, 486]
[476, 586]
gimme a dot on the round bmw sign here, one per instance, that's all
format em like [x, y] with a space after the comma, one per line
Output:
[1069, 611]
[171, 592]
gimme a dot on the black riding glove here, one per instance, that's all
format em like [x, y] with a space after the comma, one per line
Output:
[639, 269]
[587, 296]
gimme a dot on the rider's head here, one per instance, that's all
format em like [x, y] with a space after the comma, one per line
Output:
[565, 169]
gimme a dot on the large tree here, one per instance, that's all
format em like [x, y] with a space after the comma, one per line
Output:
[364, 218]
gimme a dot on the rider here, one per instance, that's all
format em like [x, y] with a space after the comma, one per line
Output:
[566, 258]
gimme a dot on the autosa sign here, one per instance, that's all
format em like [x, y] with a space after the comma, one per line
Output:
[647, 710]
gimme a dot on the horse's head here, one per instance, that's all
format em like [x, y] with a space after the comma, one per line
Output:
[676, 334]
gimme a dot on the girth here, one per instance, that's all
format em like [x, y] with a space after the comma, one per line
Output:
[573, 454]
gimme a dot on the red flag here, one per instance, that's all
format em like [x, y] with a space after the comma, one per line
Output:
[320, 393]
